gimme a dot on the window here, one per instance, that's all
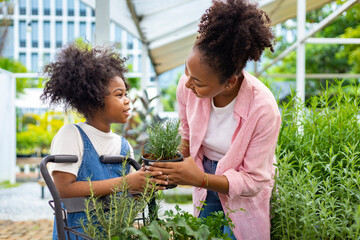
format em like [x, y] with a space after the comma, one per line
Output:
[139, 63]
[34, 62]
[34, 34]
[130, 62]
[58, 7]
[82, 9]
[83, 30]
[22, 58]
[34, 7]
[92, 32]
[58, 34]
[130, 41]
[8, 51]
[46, 58]
[117, 33]
[46, 33]
[93, 12]
[22, 7]
[22, 34]
[152, 70]
[71, 8]
[70, 31]
[46, 7]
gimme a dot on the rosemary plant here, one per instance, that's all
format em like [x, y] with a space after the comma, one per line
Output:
[109, 219]
[164, 140]
[317, 192]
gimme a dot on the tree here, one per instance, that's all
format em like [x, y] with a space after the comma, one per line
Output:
[323, 58]
[6, 8]
[15, 67]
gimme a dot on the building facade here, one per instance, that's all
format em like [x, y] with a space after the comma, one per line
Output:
[39, 28]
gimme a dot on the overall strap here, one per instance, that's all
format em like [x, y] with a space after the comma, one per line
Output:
[125, 148]
[85, 138]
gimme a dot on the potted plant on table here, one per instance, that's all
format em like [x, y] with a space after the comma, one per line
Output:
[163, 144]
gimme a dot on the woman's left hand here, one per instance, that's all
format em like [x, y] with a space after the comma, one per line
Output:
[185, 172]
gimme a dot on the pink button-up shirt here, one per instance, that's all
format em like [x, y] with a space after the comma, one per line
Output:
[249, 163]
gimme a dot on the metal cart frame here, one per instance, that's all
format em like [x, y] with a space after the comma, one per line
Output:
[64, 206]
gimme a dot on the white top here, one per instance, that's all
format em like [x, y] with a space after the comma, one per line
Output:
[220, 130]
[68, 141]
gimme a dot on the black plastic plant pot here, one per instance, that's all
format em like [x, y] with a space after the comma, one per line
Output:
[146, 160]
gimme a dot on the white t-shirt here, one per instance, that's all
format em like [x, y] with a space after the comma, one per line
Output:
[220, 130]
[68, 141]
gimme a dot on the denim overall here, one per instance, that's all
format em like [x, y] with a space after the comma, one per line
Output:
[91, 167]
[212, 201]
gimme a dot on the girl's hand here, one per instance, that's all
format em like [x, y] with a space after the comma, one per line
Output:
[137, 180]
[185, 172]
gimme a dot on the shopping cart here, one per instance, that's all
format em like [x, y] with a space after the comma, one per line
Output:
[64, 206]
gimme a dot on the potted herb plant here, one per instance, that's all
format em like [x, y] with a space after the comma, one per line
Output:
[163, 144]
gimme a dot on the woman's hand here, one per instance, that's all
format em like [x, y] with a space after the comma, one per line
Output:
[137, 180]
[185, 172]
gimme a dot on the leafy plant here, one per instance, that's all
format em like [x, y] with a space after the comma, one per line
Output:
[15, 67]
[164, 140]
[168, 98]
[35, 132]
[7, 184]
[178, 198]
[183, 225]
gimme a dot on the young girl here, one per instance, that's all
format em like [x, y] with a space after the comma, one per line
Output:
[230, 120]
[92, 82]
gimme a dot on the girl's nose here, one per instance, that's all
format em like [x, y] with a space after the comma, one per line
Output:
[127, 100]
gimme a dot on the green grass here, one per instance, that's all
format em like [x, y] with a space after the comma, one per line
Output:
[7, 184]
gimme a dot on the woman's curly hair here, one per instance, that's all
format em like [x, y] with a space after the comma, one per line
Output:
[231, 32]
[79, 77]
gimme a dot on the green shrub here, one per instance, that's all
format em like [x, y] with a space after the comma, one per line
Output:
[178, 198]
[317, 192]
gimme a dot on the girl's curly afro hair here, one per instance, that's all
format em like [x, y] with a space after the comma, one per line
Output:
[231, 32]
[79, 77]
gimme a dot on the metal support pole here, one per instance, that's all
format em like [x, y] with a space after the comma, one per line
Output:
[144, 67]
[300, 55]
[102, 22]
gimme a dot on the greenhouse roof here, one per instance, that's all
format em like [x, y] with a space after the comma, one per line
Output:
[168, 27]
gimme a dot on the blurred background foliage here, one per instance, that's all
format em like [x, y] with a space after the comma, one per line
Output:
[320, 58]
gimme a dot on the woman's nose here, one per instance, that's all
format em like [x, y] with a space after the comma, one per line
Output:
[188, 83]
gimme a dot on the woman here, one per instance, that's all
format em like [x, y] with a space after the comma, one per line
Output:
[230, 120]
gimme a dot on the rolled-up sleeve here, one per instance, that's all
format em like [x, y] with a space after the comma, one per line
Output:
[257, 166]
[181, 99]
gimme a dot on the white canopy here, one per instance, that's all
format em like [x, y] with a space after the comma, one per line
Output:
[168, 27]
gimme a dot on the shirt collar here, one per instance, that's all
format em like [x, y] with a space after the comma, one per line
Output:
[244, 97]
